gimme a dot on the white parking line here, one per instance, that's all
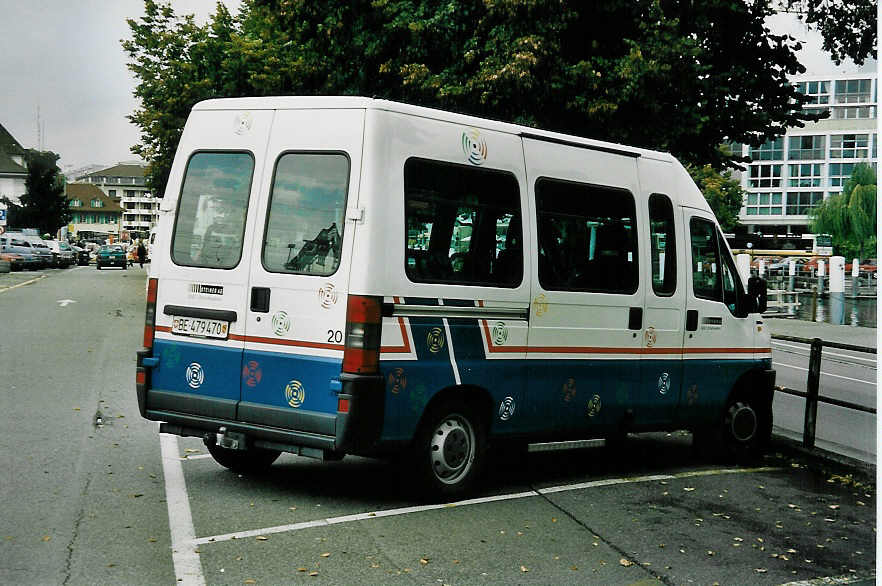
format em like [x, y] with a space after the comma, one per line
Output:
[188, 567]
[477, 501]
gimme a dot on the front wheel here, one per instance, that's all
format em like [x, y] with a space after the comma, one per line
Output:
[450, 450]
[250, 461]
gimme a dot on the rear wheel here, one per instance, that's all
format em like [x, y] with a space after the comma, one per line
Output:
[450, 450]
[249, 461]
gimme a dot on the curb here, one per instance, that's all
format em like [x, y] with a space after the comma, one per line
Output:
[822, 456]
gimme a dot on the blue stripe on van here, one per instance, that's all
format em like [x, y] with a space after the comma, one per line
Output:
[197, 369]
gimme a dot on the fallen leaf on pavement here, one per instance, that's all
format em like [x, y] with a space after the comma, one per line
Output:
[261, 538]
[326, 555]
[524, 569]
[625, 562]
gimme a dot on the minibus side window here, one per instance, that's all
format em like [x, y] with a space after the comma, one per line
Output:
[663, 245]
[705, 260]
[210, 223]
[463, 225]
[304, 225]
[587, 237]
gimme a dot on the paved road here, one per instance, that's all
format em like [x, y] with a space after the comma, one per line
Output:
[113, 502]
[850, 376]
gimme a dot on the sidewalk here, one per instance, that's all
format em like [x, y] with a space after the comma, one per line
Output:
[828, 332]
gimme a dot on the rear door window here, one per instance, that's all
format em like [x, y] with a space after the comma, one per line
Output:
[210, 223]
[304, 227]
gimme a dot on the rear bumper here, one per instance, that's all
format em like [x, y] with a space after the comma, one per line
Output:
[356, 430]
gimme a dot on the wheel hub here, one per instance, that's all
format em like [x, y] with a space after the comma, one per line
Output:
[452, 449]
[742, 422]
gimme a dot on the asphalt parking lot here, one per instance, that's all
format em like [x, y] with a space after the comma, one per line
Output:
[647, 514]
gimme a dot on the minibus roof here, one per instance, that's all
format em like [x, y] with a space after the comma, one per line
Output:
[350, 102]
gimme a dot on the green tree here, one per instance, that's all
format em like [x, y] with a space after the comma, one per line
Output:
[43, 205]
[850, 216]
[673, 75]
[722, 192]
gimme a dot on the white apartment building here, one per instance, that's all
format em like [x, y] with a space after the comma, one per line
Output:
[789, 176]
[125, 183]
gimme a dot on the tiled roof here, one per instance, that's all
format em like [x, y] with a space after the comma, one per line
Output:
[8, 144]
[86, 192]
[7, 165]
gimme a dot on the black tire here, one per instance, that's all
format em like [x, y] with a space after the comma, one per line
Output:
[249, 461]
[743, 432]
[449, 451]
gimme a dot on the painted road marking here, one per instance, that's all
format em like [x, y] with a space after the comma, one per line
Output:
[188, 567]
[503, 497]
[34, 280]
[857, 380]
[846, 358]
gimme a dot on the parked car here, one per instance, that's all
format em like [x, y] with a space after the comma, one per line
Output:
[62, 253]
[82, 255]
[111, 255]
[19, 253]
[43, 256]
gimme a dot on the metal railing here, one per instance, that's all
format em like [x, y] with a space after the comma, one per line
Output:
[811, 394]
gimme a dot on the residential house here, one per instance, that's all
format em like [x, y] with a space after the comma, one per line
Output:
[13, 168]
[94, 214]
[125, 182]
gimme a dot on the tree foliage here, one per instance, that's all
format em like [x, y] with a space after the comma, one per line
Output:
[673, 75]
[43, 205]
[723, 193]
[850, 217]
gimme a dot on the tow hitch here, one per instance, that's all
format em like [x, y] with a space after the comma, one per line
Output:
[230, 439]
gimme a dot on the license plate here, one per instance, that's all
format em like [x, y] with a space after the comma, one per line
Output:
[200, 327]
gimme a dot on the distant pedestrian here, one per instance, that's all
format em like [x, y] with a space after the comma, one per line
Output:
[142, 253]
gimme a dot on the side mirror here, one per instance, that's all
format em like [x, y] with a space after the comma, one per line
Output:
[756, 292]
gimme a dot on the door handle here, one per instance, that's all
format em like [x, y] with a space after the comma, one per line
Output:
[260, 299]
[635, 318]
[691, 320]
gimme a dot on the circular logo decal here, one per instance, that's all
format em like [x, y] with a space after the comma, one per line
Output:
[569, 390]
[295, 394]
[281, 323]
[435, 340]
[327, 295]
[243, 123]
[649, 337]
[664, 383]
[594, 406]
[252, 373]
[474, 146]
[500, 334]
[397, 380]
[507, 408]
[195, 375]
[540, 306]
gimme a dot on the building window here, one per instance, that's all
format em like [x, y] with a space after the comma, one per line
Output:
[111, 192]
[772, 150]
[129, 193]
[764, 204]
[816, 92]
[805, 175]
[853, 91]
[839, 173]
[765, 176]
[96, 203]
[800, 204]
[849, 146]
[806, 147]
[853, 112]
[76, 203]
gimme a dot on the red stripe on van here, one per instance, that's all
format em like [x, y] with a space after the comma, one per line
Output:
[297, 343]
[405, 348]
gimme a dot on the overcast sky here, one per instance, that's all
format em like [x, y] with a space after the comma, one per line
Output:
[65, 57]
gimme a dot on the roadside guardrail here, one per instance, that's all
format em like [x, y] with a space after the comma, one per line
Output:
[811, 394]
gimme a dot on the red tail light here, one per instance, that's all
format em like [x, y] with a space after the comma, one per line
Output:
[361, 354]
[150, 318]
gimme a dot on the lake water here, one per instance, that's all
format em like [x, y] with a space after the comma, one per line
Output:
[858, 312]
